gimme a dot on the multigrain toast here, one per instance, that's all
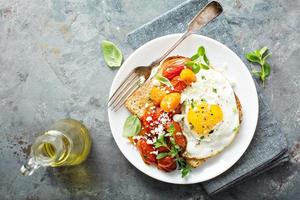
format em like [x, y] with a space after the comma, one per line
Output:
[140, 100]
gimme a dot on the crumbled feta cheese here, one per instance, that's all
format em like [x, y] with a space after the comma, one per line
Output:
[178, 133]
[149, 118]
[159, 130]
[178, 117]
[151, 141]
[164, 118]
[155, 82]
[154, 152]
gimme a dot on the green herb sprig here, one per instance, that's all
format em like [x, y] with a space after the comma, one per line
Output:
[260, 56]
[198, 61]
[174, 150]
[164, 81]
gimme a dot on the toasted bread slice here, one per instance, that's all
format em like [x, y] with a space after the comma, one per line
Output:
[140, 99]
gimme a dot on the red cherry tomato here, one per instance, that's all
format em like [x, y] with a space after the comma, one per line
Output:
[179, 138]
[145, 151]
[154, 114]
[178, 84]
[171, 71]
[166, 164]
[162, 149]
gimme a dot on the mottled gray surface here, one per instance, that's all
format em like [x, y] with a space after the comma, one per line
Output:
[51, 68]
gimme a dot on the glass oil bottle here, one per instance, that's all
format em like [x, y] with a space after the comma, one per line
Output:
[66, 143]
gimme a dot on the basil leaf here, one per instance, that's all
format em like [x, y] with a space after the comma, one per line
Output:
[132, 126]
[111, 53]
[164, 80]
[252, 57]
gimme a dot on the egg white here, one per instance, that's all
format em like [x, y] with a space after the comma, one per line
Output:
[214, 88]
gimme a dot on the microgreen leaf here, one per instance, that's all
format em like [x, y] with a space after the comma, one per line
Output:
[112, 54]
[198, 61]
[263, 50]
[252, 57]
[185, 171]
[260, 56]
[171, 129]
[201, 51]
[164, 80]
[194, 57]
[161, 141]
[267, 69]
[132, 126]
[162, 155]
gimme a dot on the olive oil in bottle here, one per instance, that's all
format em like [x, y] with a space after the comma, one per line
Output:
[66, 143]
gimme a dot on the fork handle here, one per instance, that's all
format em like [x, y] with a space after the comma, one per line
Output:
[203, 17]
[157, 62]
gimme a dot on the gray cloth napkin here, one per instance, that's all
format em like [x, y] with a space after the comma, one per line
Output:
[268, 147]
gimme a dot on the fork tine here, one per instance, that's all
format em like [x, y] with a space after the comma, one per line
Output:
[123, 85]
[120, 95]
[126, 95]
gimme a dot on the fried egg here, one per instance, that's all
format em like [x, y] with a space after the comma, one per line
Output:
[210, 115]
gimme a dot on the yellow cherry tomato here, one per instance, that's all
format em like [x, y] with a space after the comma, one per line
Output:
[170, 102]
[156, 95]
[188, 76]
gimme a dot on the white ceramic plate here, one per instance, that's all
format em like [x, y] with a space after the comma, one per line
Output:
[233, 68]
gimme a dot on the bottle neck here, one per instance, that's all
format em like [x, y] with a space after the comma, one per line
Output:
[46, 150]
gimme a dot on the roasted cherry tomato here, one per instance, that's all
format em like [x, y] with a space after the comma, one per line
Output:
[162, 149]
[178, 84]
[143, 132]
[156, 95]
[171, 71]
[179, 138]
[166, 164]
[145, 151]
[188, 76]
[170, 102]
[151, 116]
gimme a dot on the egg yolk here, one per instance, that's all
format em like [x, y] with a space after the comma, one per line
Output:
[203, 117]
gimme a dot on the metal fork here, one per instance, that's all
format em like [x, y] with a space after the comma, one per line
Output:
[140, 74]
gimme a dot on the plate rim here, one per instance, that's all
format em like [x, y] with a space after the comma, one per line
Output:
[166, 37]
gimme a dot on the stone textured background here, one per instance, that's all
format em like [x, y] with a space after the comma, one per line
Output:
[51, 67]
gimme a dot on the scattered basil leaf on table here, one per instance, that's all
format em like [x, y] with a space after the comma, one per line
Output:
[260, 56]
[164, 80]
[132, 126]
[198, 61]
[112, 54]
